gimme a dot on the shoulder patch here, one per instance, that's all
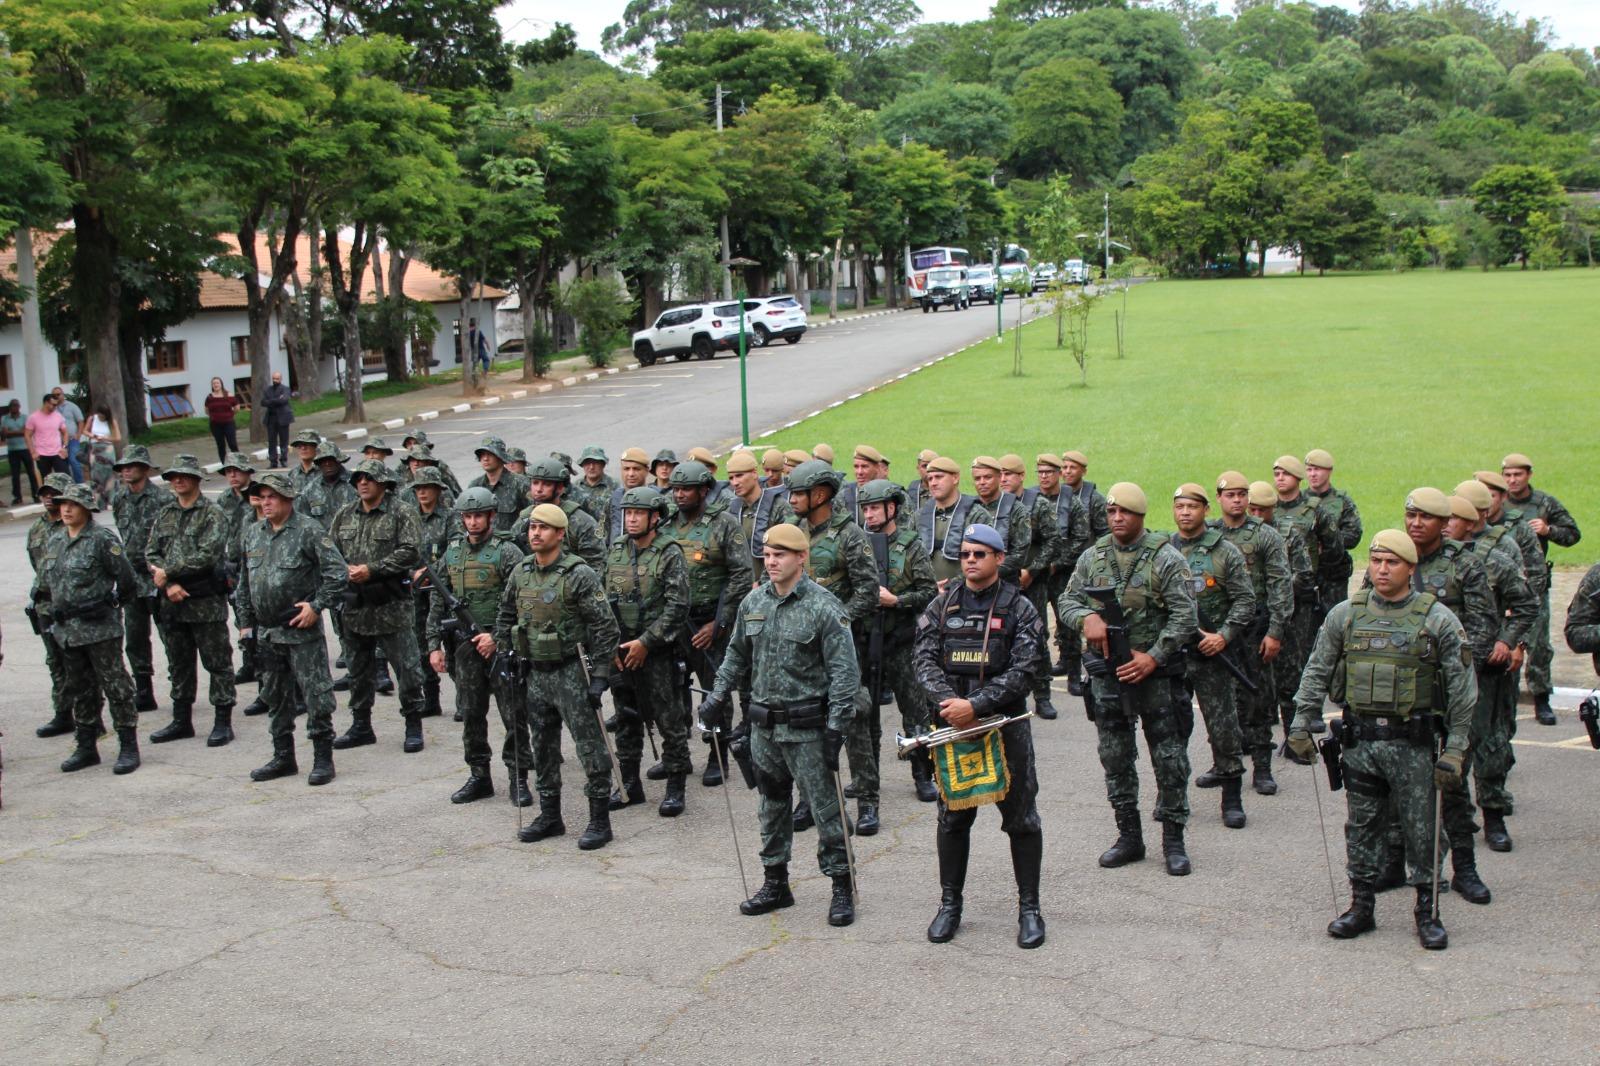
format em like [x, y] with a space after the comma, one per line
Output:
[116, 549]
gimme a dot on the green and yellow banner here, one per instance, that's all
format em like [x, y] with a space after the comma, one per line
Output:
[971, 773]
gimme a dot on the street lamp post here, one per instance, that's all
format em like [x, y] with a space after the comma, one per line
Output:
[744, 394]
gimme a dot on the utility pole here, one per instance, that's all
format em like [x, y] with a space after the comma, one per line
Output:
[727, 252]
[1106, 238]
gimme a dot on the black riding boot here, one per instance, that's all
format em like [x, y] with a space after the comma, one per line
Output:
[479, 786]
[1466, 880]
[221, 726]
[842, 907]
[672, 802]
[1044, 708]
[360, 732]
[180, 728]
[631, 790]
[281, 764]
[1393, 874]
[773, 894]
[1027, 855]
[86, 754]
[1129, 846]
[1172, 847]
[382, 683]
[1358, 919]
[549, 823]
[128, 755]
[1232, 804]
[716, 769]
[1430, 930]
[321, 761]
[1542, 711]
[953, 851]
[922, 777]
[597, 834]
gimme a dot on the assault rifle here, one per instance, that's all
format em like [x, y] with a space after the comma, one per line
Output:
[1120, 650]
[461, 625]
[1225, 656]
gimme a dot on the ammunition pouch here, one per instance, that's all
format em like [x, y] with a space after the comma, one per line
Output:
[739, 748]
[812, 714]
[33, 619]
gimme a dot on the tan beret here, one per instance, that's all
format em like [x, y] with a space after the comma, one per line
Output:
[1047, 459]
[988, 461]
[796, 456]
[1231, 479]
[1461, 507]
[787, 537]
[1075, 457]
[869, 453]
[1319, 457]
[1395, 543]
[927, 455]
[548, 514]
[944, 465]
[1476, 493]
[1262, 494]
[1128, 496]
[703, 455]
[1190, 491]
[823, 452]
[1429, 501]
[636, 455]
[741, 463]
[1493, 478]
[1516, 460]
[1011, 463]
[771, 459]
[1290, 465]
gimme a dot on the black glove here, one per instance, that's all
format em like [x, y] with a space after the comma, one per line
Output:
[832, 744]
[597, 688]
[715, 713]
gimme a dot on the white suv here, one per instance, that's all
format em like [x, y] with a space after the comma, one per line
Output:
[770, 317]
[700, 330]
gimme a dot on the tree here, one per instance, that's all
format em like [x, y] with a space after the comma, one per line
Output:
[647, 24]
[1508, 196]
[747, 65]
[862, 33]
[1332, 219]
[1281, 35]
[601, 309]
[960, 120]
[1543, 235]
[1035, 10]
[1053, 233]
[1068, 118]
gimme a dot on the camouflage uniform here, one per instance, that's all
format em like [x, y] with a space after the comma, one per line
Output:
[1583, 617]
[1564, 532]
[940, 529]
[1272, 584]
[437, 528]
[1014, 520]
[87, 576]
[236, 512]
[1220, 581]
[190, 544]
[719, 578]
[322, 498]
[649, 592]
[770, 510]
[1090, 527]
[135, 514]
[379, 612]
[39, 534]
[583, 534]
[594, 499]
[910, 578]
[511, 499]
[1300, 536]
[1044, 548]
[1333, 575]
[796, 655]
[1494, 720]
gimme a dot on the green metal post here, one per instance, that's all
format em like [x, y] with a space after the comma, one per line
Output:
[744, 397]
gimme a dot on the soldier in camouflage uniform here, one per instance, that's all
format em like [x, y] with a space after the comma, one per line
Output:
[661, 468]
[377, 449]
[186, 551]
[917, 490]
[321, 498]
[1384, 654]
[39, 534]
[1074, 465]
[552, 614]
[438, 525]
[291, 573]
[593, 491]
[772, 469]
[378, 538]
[517, 461]
[976, 646]
[647, 586]
[757, 508]
[1152, 583]
[1034, 577]
[1320, 535]
[1333, 579]
[719, 577]
[1552, 524]
[840, 560]
[1066, 514]
[1005, 514]
[943, 515]
[476, 565]
[1272, 583]
[548, 481]
[419, 458]
[868, 464]
[1494, 719]
[510, 489]
[1225, 608]
[236, 511]
[305, 471]
[635, 471]
[903, 592]
[88, 575]
[134, 504]
[1582, 628]
[418, 440]
[791, 643]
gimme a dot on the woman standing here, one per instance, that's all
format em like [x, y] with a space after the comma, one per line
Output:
[13, 428]
[220, 406]
[102, 435]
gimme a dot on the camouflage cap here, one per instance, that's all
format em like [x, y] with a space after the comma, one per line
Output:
[635, 455]
[1492, 478]
[550, 469]
[1428, 501]
[881, 490]
[1231, 479]
[422, 453]
[281, 484]
[83, 496]
[493, 446]
[704, 456]
[184, 466]
[307, 436]
[1462, 508]
[1476, 493]
[787, 537]
[665, 455]
[474, 500]
[1262, 494]
[56, 483]
[692, 473]
[942, 464]
[823, 452]
[548, 514]
[429, 476]
[1319, 457]
[987, 461]
[415, 436]
[1129, 497]
[1290, 465]
[593, 454]
[238, 461]
[1395, 543]
[377, 444]
[1011, 463]
[565, 460]
[371, 468]
[330, 450]
[1190, 491]
[1516, 461]
[134, 455]
[1075, 457]
[516, 455]
[742, 463]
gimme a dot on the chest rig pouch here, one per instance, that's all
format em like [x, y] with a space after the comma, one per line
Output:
[1390, 661]
[546, 630]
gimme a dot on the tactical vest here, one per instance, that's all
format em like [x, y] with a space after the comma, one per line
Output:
[1136, 589]
[1390, 660]
[1247, 538]
[1064, 515]
[1303, 516]
[617, 532]
[763, 516]
[1205, 575]
[1084, 492]
[1484, 544]
[1000, 515]
[825, 565]
[633, 585]
[708, 565]
[848, 500]
[963, 654]
[1440, 575]
[951, 548]
[478, 575]
[547, 629]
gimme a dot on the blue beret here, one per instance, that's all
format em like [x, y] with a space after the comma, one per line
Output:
[986, 535]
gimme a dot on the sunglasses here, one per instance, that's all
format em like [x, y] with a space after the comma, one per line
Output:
[975, 553]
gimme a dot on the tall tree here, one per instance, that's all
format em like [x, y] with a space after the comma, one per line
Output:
[1068, 119]
[1509, 195]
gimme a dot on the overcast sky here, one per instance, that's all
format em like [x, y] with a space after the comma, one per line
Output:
[1577, 22]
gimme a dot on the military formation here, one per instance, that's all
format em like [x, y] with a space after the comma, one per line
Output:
[766, 619]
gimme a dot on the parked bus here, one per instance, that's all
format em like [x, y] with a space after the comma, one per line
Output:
[918, 263]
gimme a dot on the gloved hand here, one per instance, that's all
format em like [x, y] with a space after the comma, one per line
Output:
[832, 744]
[597, 688]
[1301, 744]
[714, 713]
[1447, 771]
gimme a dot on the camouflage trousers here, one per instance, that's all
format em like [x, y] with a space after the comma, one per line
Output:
[865, 742]
[363, 652]
[562, 696]
[90, 671]
[1119, 752]
[1068, 641]
[780, 765]
[1540, 652]
[1213, 688]
[652, 691]
[1257, 709]
[286, 668]
[1494, 723]
[1038, 594]
[138, 617]
[1019, 811]
[209, 640]
[1298, 640]
[247, 647]
[1380, 775]
[475, 683]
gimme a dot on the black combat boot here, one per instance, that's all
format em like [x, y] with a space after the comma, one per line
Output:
[597, 834]
[144, 694]
[1466, 880]
[221, 726]
[382, 683]
[657, 772]
[339, 663]
[342, 683]
[672, 802]
[773, 894]
[1261, 778]
[58, 726]
[1172, 848]
[549, 823]
[86, 754]
[1358, 919]
[360, 732]
[246, 674]
[458, 716]
[1542, 712]
[281, 764]
[611, 723]
[1075, 686]
[803, 818]
[1232, 803]
[321, 761]
[128, 754]
[716, 768]
[851, 792]
[953, 850]
[1043, 708]
[255, 707]
[413, 741]
[1129, 846]
[1494, 830]
[479, 786]
[430, 696]
[1393, 874]
[867, 819]
[1430, 930]
[632, 790]
[1209, 779]
[842, 908]
[180, 728]
[922, 776]
[517, 785]
[1060, 668]
[1027, 855]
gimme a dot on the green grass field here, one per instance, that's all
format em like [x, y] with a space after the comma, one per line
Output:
[1408, 379]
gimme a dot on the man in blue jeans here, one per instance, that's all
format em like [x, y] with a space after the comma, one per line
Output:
[478, 344]
[72, 417]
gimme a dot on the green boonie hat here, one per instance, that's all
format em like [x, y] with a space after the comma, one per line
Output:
[83, 496]
[517, 454]
[422, 453]
[692, 474]
[330, 450]
[417, 436]
[550, 469]
[881, 490]
[280, 484]
[429, 475]
[665, 455]
[564, 459]
[184, 465]
[813, 473]
[135, 455]
[644, 498]
[593, 453]
[238, 461]
[378, 444]
[307, 436]
[473, 500]
[495, 447]
[56, 483]
[373, 469]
